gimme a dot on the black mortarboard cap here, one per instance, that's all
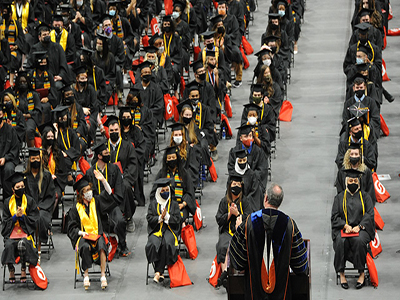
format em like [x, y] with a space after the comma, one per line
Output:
[162, 182]
[252, 107]
[186, 103]
[65, 88]
[208, 34]
[58, 17]
[273, 16]
[262, 52]
[357, 77]
[353, 173]
[23, 73]
[61, 110]
[362, 48]
[167, 18]
[100, 147]
[222, 2]
[113, 3]
[240, 153]
[101, 36]
[39, 55]
[49, 125]
[234, 176]
[34, 151]
[44, 26]
[257, 87]
[210, 53]
[197, 65]
[271, 38]
[171, 150]
[65, 7]
[180, 4]
[245, 129]
[176, 126]
[216, 19]
[15, 178]
[135, 90]
[358, 109]
[154, 38]
[364, 11]
[145, 64]
[280, 2]
[192, 86]
[355, 145]
[362, 67]
[150, 49]
[111, 120]
[363, 27]
[8, 91]
[6, 4]
[81, 183]
[353, 122]
[79, 70]
[105, 17]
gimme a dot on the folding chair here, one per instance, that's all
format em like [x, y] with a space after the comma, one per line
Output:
[28, 278]
[45, 247]
[166, 275]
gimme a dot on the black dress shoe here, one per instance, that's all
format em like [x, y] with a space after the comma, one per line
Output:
[344, 285]
[359, 285]
[222, 278]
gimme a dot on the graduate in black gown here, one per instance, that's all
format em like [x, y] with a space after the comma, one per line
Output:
[40, 186]
[19, 212]
[13, 115]
[233, 208]
[111, 214]
[271, 90]
[268, 242]
[163, 228]
[352, 212]
[173, 167]
[84, 220]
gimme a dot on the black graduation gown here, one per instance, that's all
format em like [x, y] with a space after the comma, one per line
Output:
[82, 129]
[236, 9]
[169, 233]
[28, 224]
[88, 98]
[267, 117]
[256, 159]
[20, 41]
[96, 79]
[20, 126]
[36, 113]
[173, 47]
[159, 77]
[226, 226]
[232, 29]
[5, 59]
[39, 84]
[354, 248]
[127, 157]
[70, 50]
[276, 75]
[116, 47]
[148, 129]
[374, 35]
[44, 200]
[276, 99]
[152, 98]
[367, 152]
[109, 69]
[252, 190]
[71, 148]
[207, 125]
[61, 171]
[86, 13]
[373, 91]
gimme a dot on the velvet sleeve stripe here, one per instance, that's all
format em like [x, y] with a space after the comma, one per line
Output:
[237, 249]
[298, 260]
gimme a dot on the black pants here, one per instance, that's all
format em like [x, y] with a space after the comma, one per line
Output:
[117, 225]
[88, 248]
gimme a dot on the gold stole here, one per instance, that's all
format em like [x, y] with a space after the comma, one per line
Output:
[12, 206]
[63, 40]
[88, 223]
[25, 14]
[159, 233]
[198, 115]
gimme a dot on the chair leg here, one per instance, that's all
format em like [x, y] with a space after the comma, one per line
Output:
[4, 276]
[75, 279]
[147, 274]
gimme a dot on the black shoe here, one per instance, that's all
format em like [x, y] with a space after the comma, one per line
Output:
[344, 285]
[124, 252]
[222, 278]
[237, 84]
[359, 285]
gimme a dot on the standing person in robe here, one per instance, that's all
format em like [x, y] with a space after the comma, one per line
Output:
[272, 42]
[272, 92]
[20, 212]
[352, 212]
[183, 30]
[9, 153]
[13, 115]
[62, 37]
[40, 186]
[84, 219]
[163, 228]
[173, 167]
[214, 78]
[123, 153]
[233, 208]
[115, 204]
[269, 238]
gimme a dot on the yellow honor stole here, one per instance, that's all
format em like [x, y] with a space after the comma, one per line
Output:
[198, 115]
[25, 14]
[159, 232]
[12, 206]
[63, 40]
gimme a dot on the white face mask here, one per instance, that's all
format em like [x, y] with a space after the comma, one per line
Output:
[178, 140]
[161, 49]
[267, 62]
[79, 3]
[281, 13]
[88, 195]
[252, 120]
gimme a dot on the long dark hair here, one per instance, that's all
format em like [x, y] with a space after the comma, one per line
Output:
[229, 193]
[46, 157]
[106, 53]
[181, 168]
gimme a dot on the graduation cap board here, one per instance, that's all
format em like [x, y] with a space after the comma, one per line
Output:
[176, 126]
[363, 27]
[257, 87]
[183, 104]
[46, 127]
[81, 183]
[240, 153]
[358, 109]
[16, 178]
[61, 110]
[265, 50]
[233, 176]
[353, 173]
[197, 65]
[171, 150]
[100, 147]
[145, 64]
[162, 182]
[252, 107]
[111, 120]
[150, 49]
[216, 19]
[273, 16]
[34, 151]
[353, 122]
[355, 145]
[365, 11]
[245, 129]
[208, 34]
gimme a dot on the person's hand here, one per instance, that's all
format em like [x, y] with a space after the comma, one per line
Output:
[53, 176]
[138, 11]
[57, 78]
[64, 154]
[233, 209]
[238, 221]
[347, 228]
[181, 206]
[9, 122]
[356, 229]
[44, 100]
[20, 212]
[215, 70]
[192, 144]
[82, 233]
[13, 48]
[27, 116]
[138, 127]
[163, 213]
[266, 100]
[2, 161]
[78, 15]
[98, 175]
[86, 111]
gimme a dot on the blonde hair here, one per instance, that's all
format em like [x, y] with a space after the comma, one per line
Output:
[192, 132]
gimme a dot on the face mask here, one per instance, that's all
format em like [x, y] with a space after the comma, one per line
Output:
[108, 30]
[210, 46]
[63, 124]
[43, 67]
[126, 122]
[49, 142]
[69, 100]
[354, 160]
[83, 83]
[186, 120]
[146, 78]
[202, 77]
[175, 15]
[88, 195]
[23, 87]
[57, 29]
[267, 62]
[153, 61]
[212, 66]
[35, 164]
[161, 49]
[274, 26]
[242, 166]
[358, 135]
[221, 30]
[359, 93]
[114, 136]
[46, 40]
[178, 140]
[359, 60]
[252, 120]
[167, 29]
[247, 143]
[65, 20]
[99, 48]
[236, 190]
[195, 101]
[9, 106]
[79, 3]
[273, 49]
[268, 78]
[106, 159]
[352, 187]
[164, 195]
[19, 192]
[112, 13]
[172, 163]
[281, 13]
[257, 100]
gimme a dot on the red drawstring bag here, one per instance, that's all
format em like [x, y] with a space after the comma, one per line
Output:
[175, 103]
[285, 114]
[380, 192]
[384, 127]
[132, 77]
[38, 142]
[247, 46]
[213, 171]
[137, 61]
[145, 41]
[178, 275]
[228, 106]
[112, 246]
[375, 245]
[390, 12]
[215, 4]
[215, 272]
[385, 76]
[394, 32]
[83, 165]
[379, 224]
[154, 26]
[245, 60]
[168, 6]
[106, 133]
[113, 100]
[189, 239]
[7, 85]
[196, 52]
[38, 276]
[373, 273]
[384, 38]
[182, 86]
[225, 120]
[169, 109]
[198, 218]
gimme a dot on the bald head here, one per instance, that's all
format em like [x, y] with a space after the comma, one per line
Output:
[274, 196]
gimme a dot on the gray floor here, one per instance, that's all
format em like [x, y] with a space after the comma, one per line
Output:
[304, 167]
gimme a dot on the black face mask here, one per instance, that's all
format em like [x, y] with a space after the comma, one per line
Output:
[212, 66]
[210, 46]
[20, 192]
[146, 78]
[359, 93]
[23, 87]
[49, 142]
[172, 163]
[274, 26]
[273, 49]
[35, 164]
[358, 135]
[106, 159]
[353, 187]
[202, 77]
[186, 120]
[63, 124]
[114, 136]
[43, 67]
[46, 40]
[69, 100]
[221, 30]
[354, 160]
[167, 29]
[242, 166]
[236, 190]
[57, 29]
[126, 122]
[9, 106]
[83, 83]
